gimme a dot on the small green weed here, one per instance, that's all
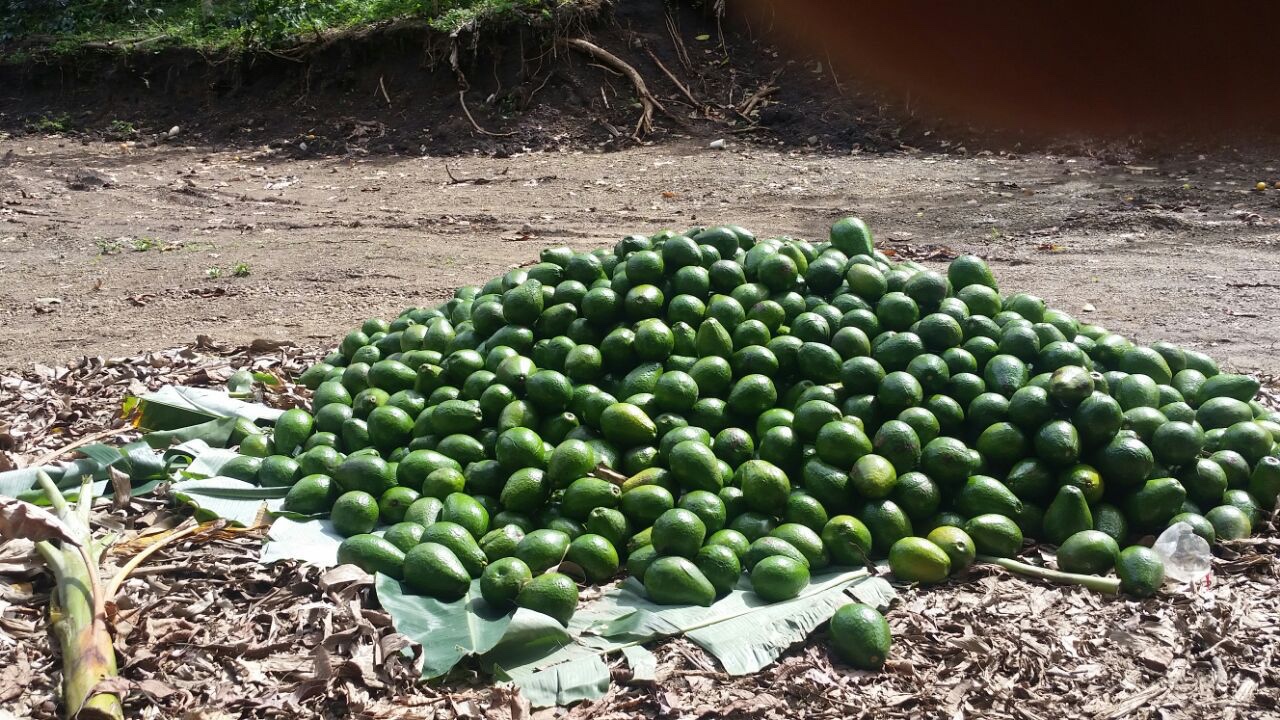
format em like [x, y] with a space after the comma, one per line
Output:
[50, 124]
[143, 243]
[121, 128]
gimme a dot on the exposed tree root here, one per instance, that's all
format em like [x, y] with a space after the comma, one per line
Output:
[647, 101]
[462, 100]
[671, 76]
[754, 100]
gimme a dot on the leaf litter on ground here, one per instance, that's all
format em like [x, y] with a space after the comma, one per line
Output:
[313, 642]
[43, 408]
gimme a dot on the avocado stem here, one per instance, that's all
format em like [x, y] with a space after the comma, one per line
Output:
[1093, 582]
[604, 472]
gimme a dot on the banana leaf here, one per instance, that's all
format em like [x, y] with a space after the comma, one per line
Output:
[66, 475]
[554, 665]
[447, 631]
[312, 541]
[216, 432]
[173, 407]
[741, 631]
[144, 466]
[236, 501]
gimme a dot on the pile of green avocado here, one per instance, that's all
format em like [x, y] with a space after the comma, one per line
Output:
[689, 407]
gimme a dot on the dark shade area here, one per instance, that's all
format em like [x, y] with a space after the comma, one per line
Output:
[1179, 68]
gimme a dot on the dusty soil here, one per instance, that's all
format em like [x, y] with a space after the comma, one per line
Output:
[108, 249]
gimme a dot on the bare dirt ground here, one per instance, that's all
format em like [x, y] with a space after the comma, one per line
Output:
[108, 249]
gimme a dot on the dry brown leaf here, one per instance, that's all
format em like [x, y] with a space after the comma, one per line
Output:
[22, 520]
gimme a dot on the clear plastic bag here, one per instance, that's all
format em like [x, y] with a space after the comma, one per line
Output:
[1184, 553]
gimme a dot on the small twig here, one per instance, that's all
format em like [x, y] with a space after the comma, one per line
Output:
[51, 456]
[724, 49]
[752, 102]
[157, 569]
[697, 103]
[538, 89]
[383, 88]
[683, 103]
[681, 51]
[474, 181]
[462, 100]
[174, 535]
[1093, 582]
[283, 56]
[834, 77]
[606, 68]
[765, 90]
